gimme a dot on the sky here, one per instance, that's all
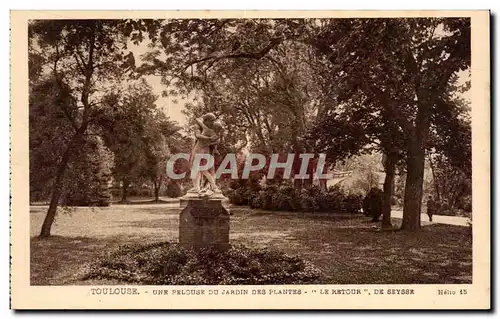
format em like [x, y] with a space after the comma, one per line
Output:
[171, 109]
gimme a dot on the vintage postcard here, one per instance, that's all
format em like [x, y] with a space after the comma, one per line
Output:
[250, 160]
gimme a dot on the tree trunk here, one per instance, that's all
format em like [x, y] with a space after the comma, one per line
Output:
[310, 171]
[56, 194]
[157, 191]
[80, 131]
[125, 184]
[297, 184]
[413, 190]
[322, 185]
[390, 167]
[416, 163]
[307, 182]
[56, 189]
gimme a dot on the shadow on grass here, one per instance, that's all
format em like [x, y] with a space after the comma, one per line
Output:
[294, 214]
[57, 260]
[349, 249]
[166, 223]
[143, 202]
[435, 254]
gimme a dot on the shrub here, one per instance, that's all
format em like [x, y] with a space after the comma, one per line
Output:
[372, 203]
[266, 196]
[335, 199]
[466, 204]
[280, 201]
[295, 203]
[116, 192]
[169, 264]
[89, 175]
[250, 194]
[353, 203]
[238, 196]
[285, 197]
[242, 192]
[140, 191]
[174, 190]
[308, 203]
[256, 202]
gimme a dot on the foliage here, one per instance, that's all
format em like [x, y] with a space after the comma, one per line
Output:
[383, 78]
[89, 170]
[260, 86]
[174, 190]
[48, 131]
[372, 203]
[85, 58]
[123, 125]
[285, 197]
[168, 264]
[450, 156]
[338, 86]
[365, 170]
[89, 175]
[375, 81]
[242, 195]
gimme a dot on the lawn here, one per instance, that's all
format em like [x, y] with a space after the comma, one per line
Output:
[349, 249]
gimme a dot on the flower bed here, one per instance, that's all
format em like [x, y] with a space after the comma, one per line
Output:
[169, 264]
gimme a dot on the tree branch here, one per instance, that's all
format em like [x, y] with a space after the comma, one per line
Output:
[386, 101]
[247, 55]
[89, 70]
[79, 65]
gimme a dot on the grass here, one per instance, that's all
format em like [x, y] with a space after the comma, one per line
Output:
[349, 250]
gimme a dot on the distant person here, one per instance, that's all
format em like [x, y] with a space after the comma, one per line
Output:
[431, 207]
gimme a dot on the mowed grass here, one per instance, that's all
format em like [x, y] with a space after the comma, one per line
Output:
[349, 249]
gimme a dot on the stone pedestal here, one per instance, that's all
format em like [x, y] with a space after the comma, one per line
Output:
[204, 222]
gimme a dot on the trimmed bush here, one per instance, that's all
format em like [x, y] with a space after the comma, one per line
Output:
[243, 191]
[168, 264]
[174, 190]
[372, 204]
[140, 191]
[89, 175]
[285, 197]
[467, 204]
[353, 203]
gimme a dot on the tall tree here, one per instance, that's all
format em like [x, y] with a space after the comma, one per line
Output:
[83, 55]
[49, 129]
[124, 125]
[406, 65]
[450, 149]
[358, 126]
[260, 85]
[161, 136]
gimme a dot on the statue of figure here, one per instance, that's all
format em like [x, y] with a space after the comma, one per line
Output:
[207, 135]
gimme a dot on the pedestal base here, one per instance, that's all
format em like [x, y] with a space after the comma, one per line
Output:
[204, 223]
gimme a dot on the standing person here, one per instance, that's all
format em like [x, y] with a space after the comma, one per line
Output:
[431, 207]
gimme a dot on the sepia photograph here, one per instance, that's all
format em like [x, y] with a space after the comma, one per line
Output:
[278, 156]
